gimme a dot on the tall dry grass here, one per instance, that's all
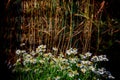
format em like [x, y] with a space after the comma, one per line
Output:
[59, 23]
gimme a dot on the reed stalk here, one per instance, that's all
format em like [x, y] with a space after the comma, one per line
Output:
[62, 24]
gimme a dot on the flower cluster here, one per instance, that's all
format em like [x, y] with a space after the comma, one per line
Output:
[99, 58]
[103, 72]
[48, 66]
[71, 51]
[41, 48]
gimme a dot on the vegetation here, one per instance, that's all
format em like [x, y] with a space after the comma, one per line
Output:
[39, 65]
[56, 37]
[59, 23]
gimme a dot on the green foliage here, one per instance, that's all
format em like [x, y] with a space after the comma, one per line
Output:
[39, 65]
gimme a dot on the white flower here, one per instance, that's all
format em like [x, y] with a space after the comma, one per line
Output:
[78, 65]
[102, 58]
[36, 70]
[41, 48]
[73, 60]
[111, 77]
[88, 54]
[79, 79]
[68, 52]
[50, 54]
[75, 51]
[41, 61]
[25, 62]
[38, 50]
[28, 56]
[22, 44]
[33, 53]
[61, 55]
[18, 60]
[55, 49]
[83, 56]
[86, 63]
[92, 68]
[28, 69]
[33, 61]
[18, 52]
[23, 51]
[75, 72]
[101, 71]
[83, 70]
[95, 59]
[57, 77]
[71, 51]
[70, 74]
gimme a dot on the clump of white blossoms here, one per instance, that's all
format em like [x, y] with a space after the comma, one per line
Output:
[99, 58]
[71, 51]
[102, 71]
[41, 48]
[70, 64]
